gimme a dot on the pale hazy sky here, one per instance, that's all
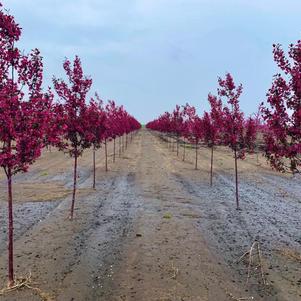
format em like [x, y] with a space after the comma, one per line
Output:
[153, 54]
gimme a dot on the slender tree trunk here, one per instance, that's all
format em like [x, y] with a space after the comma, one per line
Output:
[177, 145]
[114, 150]
[236, 181]
[126, 141]
[211, 168]
[184, 150]
[119, 146]
[74, 185]
[173, 144]
[94, 168]
[11, 280]
[257, 149]
[196, 155]
[106, 154]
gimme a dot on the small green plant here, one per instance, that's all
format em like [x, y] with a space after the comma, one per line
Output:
[167, 215]
[44, 173]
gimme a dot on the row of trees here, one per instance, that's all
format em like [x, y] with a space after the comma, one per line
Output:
[277, 123]
[225, 124]
[31, 119]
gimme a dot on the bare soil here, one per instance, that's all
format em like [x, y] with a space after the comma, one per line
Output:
[153, 229]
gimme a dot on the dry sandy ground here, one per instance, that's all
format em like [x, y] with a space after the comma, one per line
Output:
[154, 229]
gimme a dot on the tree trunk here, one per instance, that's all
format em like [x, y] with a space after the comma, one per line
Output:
[106, 154]
[74, 186]
[184, 150]
[173, 144]
[257, 148]
[177, 145]
[126, 141]
[11, 280]
[94, 171]
[114, 150]
[119, 146]
[196, 155]
[211, 168]
[236, 181]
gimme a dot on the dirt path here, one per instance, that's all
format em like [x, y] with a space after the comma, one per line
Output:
[167, 258]
[154, 230]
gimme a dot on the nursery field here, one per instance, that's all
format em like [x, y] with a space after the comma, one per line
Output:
[154, 229]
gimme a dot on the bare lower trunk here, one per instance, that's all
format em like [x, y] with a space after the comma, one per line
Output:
[106, 154]
[119, 146]
[196, 155]
[74, 186]
[184, 150]
[10, 230]
[211, 168]
[177, 145]
[94, 168]
[114, 150]
[236, 181]
[126, 141]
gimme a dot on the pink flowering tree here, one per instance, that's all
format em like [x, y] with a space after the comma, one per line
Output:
[196, 134]
[23, 116]
[97, 121]
[212, 125]
[188, 115]
[283, 115]
[77, 133]
[119, 129]
[162, 124]
[114, 114]
[260, 131]
[108, 134]
[176, 124]
[55, 122]
[235, 134]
